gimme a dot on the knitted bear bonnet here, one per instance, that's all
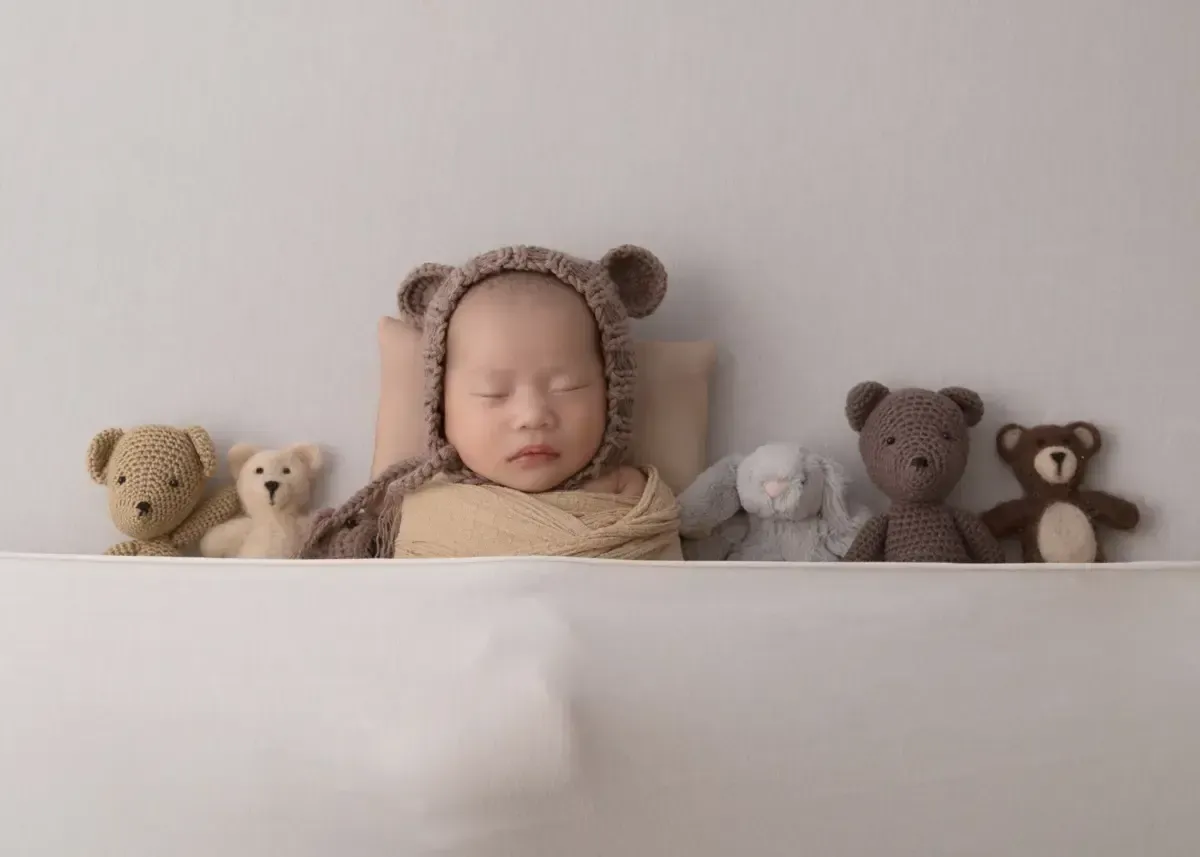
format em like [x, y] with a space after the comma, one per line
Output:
[628, 281]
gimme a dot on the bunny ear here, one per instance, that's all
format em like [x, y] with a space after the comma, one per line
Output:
[418, 290]
[834, 509]
[640, 278]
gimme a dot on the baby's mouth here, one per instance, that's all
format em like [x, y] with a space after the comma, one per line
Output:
[534, 454]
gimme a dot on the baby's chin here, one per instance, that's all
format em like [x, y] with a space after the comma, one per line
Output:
[530, 480]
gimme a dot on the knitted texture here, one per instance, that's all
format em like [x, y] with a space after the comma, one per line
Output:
[627, 282]
[1050, 463]
[156, 477]
[915, 445]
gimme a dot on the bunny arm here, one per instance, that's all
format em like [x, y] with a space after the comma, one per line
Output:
[711, 499]
[216, 510]
[870, 543]
[1109, 509]
[981, 544]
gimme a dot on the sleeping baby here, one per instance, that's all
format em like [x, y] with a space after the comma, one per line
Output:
[530, 380]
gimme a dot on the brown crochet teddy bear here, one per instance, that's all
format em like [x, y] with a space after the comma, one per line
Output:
[915, 445]
[155, 477]
[1056, 518]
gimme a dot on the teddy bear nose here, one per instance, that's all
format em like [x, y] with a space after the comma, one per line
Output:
[272, 486]
[774, 488]
[920, 462]
[143, 508]
[1059, 457]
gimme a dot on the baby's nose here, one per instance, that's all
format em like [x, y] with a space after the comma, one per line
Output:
[774, 487]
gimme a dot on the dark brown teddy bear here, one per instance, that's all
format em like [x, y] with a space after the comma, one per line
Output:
[915, 444]
[1056, 518]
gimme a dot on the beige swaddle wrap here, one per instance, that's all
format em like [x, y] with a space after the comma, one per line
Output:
[445, 519]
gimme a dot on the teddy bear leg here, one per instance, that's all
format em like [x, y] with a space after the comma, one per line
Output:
[157, 547]
[128, 548]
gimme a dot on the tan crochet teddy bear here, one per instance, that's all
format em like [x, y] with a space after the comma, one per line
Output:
[156, 477]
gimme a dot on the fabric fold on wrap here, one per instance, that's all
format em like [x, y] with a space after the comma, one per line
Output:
[444, 519]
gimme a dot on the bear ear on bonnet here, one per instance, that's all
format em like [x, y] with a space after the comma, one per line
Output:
[640, 278]
[418, 289]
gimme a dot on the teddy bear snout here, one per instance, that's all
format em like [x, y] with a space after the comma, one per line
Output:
[143, 508]
[272, 486]
[920, 462]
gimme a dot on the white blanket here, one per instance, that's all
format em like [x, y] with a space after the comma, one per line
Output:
[579, 707]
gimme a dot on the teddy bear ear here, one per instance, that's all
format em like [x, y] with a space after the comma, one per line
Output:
[968, 400]
[640, 278]
[100, 450]
[1088, 435]
[310, 454]
[204, 448]
[239, 454]
[862, 399]
[1007, 439]
[418, 290]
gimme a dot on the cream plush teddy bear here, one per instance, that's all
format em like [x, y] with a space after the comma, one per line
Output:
[274, 486]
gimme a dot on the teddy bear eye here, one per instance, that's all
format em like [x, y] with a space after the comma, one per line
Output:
[286, 471]
[889, 441]
[946, 435]
[174, 483]
[258, 470]
[120, 480]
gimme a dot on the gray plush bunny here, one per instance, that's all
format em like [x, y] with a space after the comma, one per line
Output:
[781, 503]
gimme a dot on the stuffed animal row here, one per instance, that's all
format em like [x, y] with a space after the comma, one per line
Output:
[784, 503]
[156, 476]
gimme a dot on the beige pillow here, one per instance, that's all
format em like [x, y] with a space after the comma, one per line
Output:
[670, 407]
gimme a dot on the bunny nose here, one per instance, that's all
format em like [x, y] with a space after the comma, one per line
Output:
[774, 488]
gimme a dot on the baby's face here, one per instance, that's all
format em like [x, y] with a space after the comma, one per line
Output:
[525, 398]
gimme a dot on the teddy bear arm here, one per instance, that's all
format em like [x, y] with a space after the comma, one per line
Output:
[217, 509]
[1109, 509]
[1010, 517]
[870, 543]
[226, 539]
[981, 544]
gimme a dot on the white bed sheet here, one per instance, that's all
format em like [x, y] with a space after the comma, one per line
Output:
[577, 708]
